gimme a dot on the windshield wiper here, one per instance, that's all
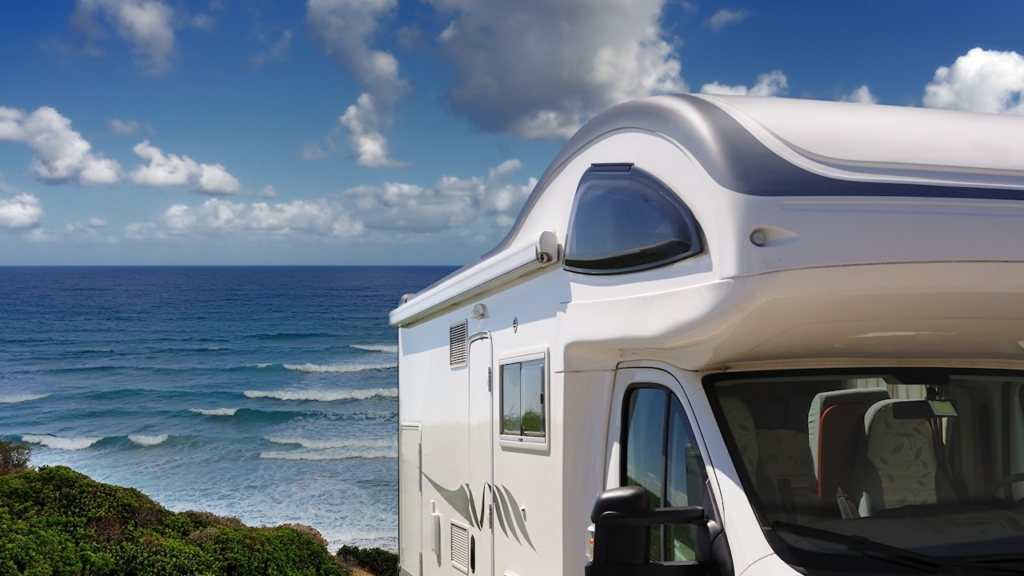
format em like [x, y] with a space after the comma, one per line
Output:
[887, 553]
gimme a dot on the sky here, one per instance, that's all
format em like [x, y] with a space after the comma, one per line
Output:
[401, 132]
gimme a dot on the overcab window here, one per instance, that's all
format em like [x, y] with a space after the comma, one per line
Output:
[625, 220]
[522, 400]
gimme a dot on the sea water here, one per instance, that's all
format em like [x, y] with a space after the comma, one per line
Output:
[264, 393]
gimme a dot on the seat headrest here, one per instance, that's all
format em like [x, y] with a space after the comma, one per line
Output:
[825, 400]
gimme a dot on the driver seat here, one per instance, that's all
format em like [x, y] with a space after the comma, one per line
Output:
[902, 467]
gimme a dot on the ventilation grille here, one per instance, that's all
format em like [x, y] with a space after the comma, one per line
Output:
[457, 343]
[460, 547]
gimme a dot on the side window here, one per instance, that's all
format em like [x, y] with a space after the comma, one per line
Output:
[662, 456]
[625, 220]
[522, 400]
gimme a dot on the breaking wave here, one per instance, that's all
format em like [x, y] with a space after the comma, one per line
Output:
[323, 395]
[214, 411]
[389, 348]
[59, 443]
[21, 398]
[332, 443]
[339, 368]
[143, 440]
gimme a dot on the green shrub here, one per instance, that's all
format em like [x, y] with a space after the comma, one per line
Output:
[13, 457]
[374, 560]
[58, 522]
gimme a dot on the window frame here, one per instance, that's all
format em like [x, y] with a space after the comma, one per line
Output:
[518, 441]
[645, 178]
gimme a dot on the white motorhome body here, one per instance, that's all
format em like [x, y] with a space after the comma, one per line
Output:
[693, 284]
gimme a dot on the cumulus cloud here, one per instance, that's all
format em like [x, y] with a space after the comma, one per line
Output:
[539, 69]
[343, 29]
[861, 95]
[173, 170]
[96, 222]
[148, 25]
[773, 83]
[364, 120]
[216, 216]
[725, 17]
[60, 153]
[20, 212]
[452, 202]
[276, 52]
[980, 81]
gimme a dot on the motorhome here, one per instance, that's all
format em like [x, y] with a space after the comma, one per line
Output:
[731, 335]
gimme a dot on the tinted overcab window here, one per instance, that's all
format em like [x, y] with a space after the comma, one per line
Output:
[625, 220]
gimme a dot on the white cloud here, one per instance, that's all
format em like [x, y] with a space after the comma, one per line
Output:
[451, 203]
[773, 83]
[148, 25]
[173, 170]
[60, 153]
[725, 17]
[20, 211]
[861, 95]
[268, 192]
[343, 30]
[142, 231]
[540, 69]
[980, 81]
[216, 216]
[276, 52]
[127, 127]
[363, 122]
[96, 222]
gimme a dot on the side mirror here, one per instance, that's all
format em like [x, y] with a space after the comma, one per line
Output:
[622, 532]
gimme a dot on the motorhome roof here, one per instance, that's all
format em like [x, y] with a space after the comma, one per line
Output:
[777, 146]
[785, 147]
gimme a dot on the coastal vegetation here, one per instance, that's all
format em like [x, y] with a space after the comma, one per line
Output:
[55, 521]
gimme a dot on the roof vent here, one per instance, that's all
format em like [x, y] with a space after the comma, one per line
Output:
[458, 343]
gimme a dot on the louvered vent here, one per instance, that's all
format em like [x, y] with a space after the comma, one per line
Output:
[457, 343]
[460, 547]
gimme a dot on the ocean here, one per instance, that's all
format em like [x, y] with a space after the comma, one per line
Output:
[264, 393]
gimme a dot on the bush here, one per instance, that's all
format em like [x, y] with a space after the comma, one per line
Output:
[13, 457]
[57, 521]
[374, 560]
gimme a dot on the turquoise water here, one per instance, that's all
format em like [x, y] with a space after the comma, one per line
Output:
[265, 393]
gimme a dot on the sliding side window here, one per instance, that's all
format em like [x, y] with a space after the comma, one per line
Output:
[524, 417]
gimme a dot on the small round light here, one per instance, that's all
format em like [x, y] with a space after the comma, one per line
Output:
[758, 238]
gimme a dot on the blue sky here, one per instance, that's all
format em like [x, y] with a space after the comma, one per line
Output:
[400, 132]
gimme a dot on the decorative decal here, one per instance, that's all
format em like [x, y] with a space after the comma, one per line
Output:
[506, 508]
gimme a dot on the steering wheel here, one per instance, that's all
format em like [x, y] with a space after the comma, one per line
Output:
[1011, 479]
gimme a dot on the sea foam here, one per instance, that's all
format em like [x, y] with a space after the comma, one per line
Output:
[143, 440]
[339, 368]
[56, 442]
[327, 444]
[214, 411]
[389, 348]
[21, 398]
[323, 395]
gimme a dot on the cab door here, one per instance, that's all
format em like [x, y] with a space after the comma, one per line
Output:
[658, 450]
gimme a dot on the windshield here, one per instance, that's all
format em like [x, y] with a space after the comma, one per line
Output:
[928, 461]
